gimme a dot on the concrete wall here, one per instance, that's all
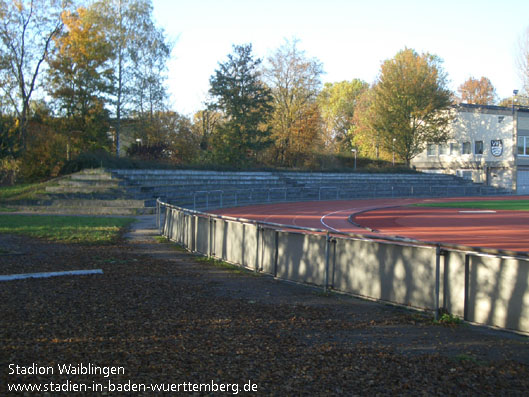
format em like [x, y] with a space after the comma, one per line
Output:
[480, 288]
[390, 272]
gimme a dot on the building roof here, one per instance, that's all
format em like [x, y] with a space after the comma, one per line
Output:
[491, 109]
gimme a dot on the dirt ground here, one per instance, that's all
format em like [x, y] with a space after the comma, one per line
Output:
[166, 317]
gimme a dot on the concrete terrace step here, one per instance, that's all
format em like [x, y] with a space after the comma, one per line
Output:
[83, 189]
[130, 192]
[83, 210]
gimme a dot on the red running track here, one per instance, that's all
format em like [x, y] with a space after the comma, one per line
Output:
[506, 230]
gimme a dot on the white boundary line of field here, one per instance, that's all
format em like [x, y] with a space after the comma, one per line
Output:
[22, 276]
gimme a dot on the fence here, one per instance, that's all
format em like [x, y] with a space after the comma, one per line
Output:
[208, 199]
[484, 286]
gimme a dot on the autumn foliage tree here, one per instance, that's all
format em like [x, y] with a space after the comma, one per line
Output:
[80, 77]
[337, 103]
[411, 105]
[478, 92]
[295, 81]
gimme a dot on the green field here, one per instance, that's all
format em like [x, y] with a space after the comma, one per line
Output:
[514, 205]
[70, 229]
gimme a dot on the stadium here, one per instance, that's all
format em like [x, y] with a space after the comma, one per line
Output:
[469, 260]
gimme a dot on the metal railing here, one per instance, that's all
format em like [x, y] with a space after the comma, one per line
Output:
[458, 272]
[209, 199]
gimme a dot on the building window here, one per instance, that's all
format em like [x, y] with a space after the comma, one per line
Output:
[430, 149]
[466, 148]
[478, 147]
[523, 146]
[443, 149]
[454, 149]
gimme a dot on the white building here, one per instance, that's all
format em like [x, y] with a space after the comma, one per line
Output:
[488, 144]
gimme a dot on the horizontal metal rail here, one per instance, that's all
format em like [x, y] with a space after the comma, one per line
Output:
[402, 240]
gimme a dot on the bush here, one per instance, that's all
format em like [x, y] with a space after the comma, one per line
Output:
[45, 155]
[154, 152]
[104, 159]
[9, 171]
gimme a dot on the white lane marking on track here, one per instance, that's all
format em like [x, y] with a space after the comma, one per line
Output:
[332, 213]
[477, 212]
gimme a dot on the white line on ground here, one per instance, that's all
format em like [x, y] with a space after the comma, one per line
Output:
[10, 277]
[477, 212]
[332, 213]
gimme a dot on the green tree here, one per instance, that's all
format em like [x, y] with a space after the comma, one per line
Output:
[478, 92]
[411, 104]
[295, 81]
[238, 92]
[337, 102]
[141, 52]
[26, 38]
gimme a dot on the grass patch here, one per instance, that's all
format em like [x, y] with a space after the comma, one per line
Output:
[172, 245]
[26, 191]
[448, 320]
[162, 239]
[513, 205]
[68, 229]
[224, 265]
[463, 357]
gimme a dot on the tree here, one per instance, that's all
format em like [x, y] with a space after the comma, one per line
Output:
[80, 77]
[337, 103]
[306, 138]
[239, 93]
[27, 31]
[523, 60]
[411, 104]
[140, 53]
[204, 123]
[295, 83]
[362, 134]
[80, 73]
[478, 92]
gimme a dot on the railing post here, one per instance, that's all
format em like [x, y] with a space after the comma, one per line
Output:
[467, 287]
[257, 250]
[276, 252]
[437, 280]
[209, 236]
[158, 214]
[327, 254]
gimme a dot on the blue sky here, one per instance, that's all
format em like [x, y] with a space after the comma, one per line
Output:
[351, 38]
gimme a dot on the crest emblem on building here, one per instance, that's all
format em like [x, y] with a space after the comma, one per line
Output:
[496, 147]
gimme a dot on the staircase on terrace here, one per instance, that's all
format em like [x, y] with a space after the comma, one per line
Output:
[134, 192]
[210, 189]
